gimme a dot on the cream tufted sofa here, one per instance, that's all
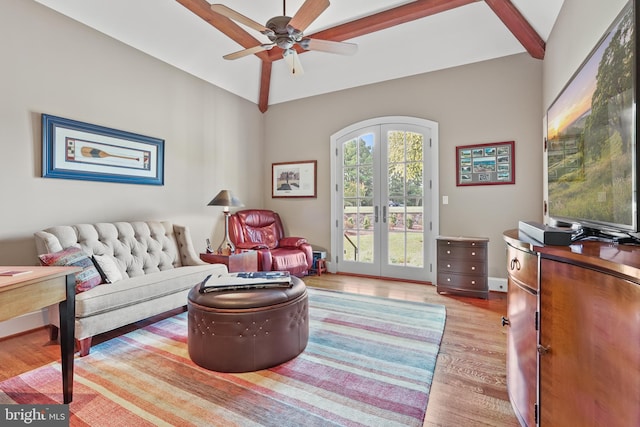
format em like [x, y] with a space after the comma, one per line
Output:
[157, 262]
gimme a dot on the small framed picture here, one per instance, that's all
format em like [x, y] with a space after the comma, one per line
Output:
[294, 179]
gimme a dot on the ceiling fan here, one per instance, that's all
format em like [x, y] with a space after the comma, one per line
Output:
[286, 32]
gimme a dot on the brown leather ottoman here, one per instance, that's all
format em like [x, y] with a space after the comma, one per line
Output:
[247, 330]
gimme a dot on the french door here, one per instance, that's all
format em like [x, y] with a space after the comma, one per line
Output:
[384, 202]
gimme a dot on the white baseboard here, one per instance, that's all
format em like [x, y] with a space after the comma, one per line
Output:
[497, 284]
[34, 320]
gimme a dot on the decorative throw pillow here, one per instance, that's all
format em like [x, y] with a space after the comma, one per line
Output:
[86, 279]
[103, 276]
[106, 264]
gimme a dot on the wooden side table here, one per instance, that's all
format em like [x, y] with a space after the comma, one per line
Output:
[242, 261]
[39, 287]
[321, 266]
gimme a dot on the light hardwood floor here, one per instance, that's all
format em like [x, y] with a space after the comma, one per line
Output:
[469, 386]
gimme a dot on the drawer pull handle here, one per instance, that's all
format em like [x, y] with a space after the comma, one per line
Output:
[473, 253]
[473, 268]
[448, 279]
[473, 282]
[515, 264]
[448, 252]
[505, 321]
[448, 265]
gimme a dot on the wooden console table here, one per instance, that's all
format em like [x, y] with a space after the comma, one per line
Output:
[39, 288]
[573, 332]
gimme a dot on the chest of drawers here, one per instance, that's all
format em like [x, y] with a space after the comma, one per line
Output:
[462, 266]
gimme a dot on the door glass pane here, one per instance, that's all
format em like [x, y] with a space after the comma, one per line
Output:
[350, 183]
[357, 187]
[406, 190]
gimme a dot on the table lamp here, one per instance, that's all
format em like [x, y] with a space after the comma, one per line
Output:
[226, 199]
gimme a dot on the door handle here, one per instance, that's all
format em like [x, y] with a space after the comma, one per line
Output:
[542, 350]
[375, 214]
[384, 214]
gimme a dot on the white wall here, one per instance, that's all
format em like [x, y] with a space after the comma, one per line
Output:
[491, 101]
[51, 64]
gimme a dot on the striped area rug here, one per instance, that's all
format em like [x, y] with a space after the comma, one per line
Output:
[369, 362]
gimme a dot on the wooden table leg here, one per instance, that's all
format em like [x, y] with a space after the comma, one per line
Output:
[67, 338]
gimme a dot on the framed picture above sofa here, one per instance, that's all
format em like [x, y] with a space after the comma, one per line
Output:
[77, 150]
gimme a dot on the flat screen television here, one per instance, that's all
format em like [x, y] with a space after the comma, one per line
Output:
[591, 153]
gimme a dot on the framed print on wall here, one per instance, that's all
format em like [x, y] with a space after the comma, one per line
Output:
[77, 150]
[294, 179]
[486, 164]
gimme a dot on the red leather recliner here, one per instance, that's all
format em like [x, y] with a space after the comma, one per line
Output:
[262, 230]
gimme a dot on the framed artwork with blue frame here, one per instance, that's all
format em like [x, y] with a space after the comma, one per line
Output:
[77, 150]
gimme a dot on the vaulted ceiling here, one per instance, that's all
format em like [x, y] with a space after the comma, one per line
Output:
[395, 38]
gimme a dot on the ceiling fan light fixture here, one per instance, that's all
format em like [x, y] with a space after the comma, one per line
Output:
[294, 34]
[284, 43]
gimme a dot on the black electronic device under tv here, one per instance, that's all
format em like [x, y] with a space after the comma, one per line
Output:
[592, 158]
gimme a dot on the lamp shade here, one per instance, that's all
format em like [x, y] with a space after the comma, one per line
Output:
[225, 198]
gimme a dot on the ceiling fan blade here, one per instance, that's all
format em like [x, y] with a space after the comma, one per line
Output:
[250, 51]
[341, 48]
[308, 13]
[293, 62]
[238, 17]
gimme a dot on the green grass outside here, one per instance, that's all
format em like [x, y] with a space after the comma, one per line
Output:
[397, 256]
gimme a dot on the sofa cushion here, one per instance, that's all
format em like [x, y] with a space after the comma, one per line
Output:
[132, 291]
[108, 268]
[86, 279]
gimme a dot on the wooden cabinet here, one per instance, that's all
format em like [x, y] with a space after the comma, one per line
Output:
[586, 348]
[462, 266]
[522, 309]
[590, 334]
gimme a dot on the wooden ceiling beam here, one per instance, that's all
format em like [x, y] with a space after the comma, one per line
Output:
[389, 18]
[265, 83]
[519, 27]
[381, 21]
[504, 9]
